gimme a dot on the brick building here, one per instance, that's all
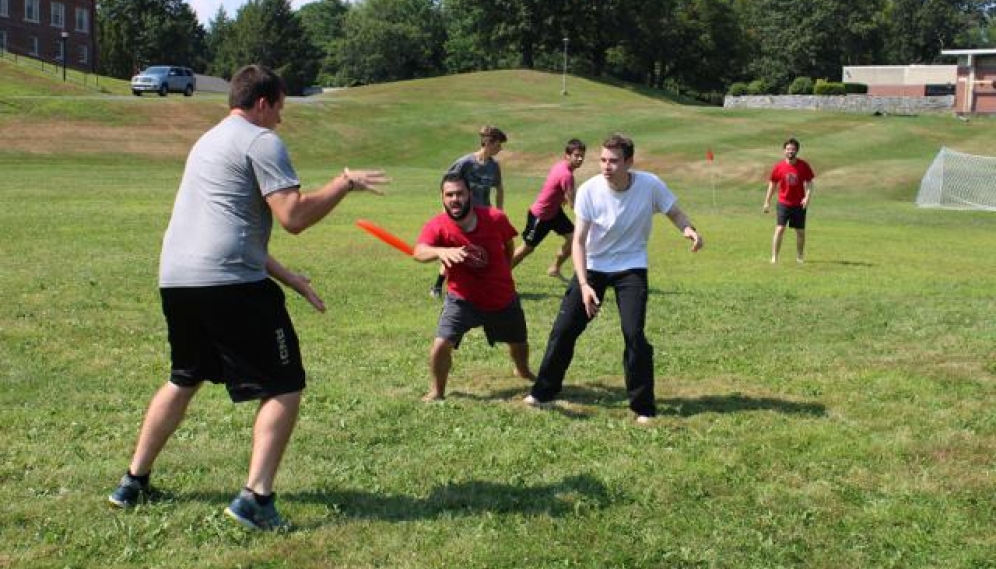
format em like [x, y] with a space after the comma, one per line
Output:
[51, 30]
[976, 93]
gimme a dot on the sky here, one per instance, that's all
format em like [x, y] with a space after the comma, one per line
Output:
[206, 9]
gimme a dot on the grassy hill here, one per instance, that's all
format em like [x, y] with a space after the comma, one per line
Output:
[834, 414]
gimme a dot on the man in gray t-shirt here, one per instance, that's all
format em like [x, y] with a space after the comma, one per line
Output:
[226, 319]
[481, 170]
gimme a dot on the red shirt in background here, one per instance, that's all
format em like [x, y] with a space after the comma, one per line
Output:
[791, 179]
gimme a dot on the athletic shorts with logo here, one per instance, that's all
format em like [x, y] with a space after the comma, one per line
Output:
[240, 335]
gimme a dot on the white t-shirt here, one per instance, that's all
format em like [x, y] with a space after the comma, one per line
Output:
[621, 221]
[220, 227]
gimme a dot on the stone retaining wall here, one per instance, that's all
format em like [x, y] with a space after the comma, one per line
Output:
[844, 103]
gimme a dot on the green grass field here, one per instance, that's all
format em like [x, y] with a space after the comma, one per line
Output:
[834, 414]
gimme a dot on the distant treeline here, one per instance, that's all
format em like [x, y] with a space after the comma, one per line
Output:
[695, 47]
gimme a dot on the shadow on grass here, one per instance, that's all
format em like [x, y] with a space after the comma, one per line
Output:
[515, 396]
[571, 495]
[574, 493]
[736, 403]
[601, 393]
[841, 263]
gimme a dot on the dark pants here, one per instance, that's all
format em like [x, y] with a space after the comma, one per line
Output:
[638, 358]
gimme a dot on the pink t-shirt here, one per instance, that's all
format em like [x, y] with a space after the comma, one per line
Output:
[558, 182]
[485, 279]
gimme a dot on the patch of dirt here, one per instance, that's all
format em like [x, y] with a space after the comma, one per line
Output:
[163, 132]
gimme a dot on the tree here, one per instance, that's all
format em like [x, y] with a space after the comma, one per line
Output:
[323, 22]
[920, 29]
[219, 30]
[268, 32]
[390, 40]
[135, 33]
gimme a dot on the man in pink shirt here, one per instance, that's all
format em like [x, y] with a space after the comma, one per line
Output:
[547, 214]
[794, 179]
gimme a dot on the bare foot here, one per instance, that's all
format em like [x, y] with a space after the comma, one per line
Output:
[555, 273]
[525, 375]
[433, 396]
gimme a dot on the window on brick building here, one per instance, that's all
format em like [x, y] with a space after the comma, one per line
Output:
[83, 20]
[58, 18]
[31, 10]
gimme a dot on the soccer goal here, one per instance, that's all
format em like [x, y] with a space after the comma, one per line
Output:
[956, 180]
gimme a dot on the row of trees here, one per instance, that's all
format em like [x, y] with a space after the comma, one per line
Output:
[695, 46]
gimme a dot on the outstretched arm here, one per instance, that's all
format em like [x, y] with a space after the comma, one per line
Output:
[296, 211]
[448, 256]
[684, 225]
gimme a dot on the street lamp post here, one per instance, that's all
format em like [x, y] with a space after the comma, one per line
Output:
[563, 90]
[63, 38]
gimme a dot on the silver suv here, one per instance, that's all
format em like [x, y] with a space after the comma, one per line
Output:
[163, 79]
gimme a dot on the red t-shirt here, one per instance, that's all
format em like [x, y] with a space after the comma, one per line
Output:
[558, 182]
[484, 279]
[791, 179]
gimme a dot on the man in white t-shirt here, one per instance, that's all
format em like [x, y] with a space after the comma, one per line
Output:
[613, 216]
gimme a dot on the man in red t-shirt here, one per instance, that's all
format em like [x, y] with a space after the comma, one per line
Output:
[475, 244]
[794, 179]
[547, 214]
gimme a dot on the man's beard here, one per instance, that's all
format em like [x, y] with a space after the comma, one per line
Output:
[461, 214]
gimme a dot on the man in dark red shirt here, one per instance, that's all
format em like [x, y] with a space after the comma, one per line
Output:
[475, 244]
[794, 179]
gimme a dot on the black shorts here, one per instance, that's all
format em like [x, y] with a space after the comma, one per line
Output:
[458, 316]
[793, 216]
[536, 230]
[239, 335]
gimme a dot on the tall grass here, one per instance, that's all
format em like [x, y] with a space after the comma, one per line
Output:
[834, 414]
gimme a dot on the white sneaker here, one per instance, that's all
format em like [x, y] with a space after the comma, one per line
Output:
[533, 402]
[644, 419]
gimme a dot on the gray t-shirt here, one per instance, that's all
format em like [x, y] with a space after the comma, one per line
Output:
[480, 177]
[220, 227]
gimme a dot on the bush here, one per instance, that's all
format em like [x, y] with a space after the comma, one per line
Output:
[759, 87]
[824, 87]
[856, 88]
[801, 86]
[738, 89]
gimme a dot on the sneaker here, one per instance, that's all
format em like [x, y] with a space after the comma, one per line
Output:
[644, 419]
[129, 493]
[247, 511]
[436, 292]
[533, 402]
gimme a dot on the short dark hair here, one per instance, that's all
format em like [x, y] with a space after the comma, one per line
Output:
[574, 144]
[453, 177]
[620, 142]
[489, 132]
[791, 141]
[252, 82]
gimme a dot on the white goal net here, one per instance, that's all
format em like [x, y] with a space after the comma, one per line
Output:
[956, 180]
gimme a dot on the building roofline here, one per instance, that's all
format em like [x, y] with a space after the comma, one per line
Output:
[988, 51]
